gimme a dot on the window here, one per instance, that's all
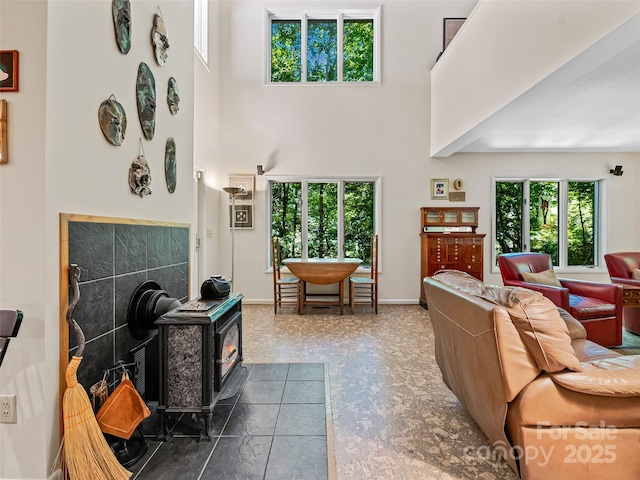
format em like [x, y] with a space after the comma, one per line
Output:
[324, 217]
[323, 47]
[200, 28]
[560, 217]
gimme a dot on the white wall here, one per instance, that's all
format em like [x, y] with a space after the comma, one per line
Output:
[368, 130]
[207, 142]
[23, 446]
[332, 129]
[503, 70]
[61, 162]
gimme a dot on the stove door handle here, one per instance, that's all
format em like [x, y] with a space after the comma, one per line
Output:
[228, 359]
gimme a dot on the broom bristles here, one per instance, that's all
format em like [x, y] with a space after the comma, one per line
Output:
[87, 454]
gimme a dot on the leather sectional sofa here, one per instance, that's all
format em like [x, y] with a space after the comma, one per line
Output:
[553, 404]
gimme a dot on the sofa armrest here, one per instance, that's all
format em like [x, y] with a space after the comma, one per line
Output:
[614, 376]
[626, 281]
[608, 292]
[558, 295]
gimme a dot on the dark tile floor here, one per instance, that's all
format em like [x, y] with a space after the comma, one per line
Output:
[273, 428]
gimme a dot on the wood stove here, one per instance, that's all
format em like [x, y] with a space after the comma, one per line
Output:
[200, 346]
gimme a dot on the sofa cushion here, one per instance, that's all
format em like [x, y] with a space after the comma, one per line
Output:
[576, 329]
[615, 376]
[542, 330]
[586, 350]
[584, 308]
[547, 277]
[635, 274]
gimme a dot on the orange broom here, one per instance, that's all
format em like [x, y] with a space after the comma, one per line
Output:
[87, 455]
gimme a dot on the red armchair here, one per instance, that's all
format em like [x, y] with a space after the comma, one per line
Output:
[598, 306]
[621, 266]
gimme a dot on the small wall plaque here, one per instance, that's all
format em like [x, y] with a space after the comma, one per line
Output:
[457, 196]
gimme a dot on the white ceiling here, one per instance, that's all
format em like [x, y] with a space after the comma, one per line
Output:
[591, 104]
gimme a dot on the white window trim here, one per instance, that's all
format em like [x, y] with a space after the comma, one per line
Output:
[600, 221]
[275, 13]
[305, 180]
[201, 29]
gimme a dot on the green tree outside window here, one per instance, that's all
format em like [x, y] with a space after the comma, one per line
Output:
[285, 51]
[323, 213]
[547, 222]
[323, 58]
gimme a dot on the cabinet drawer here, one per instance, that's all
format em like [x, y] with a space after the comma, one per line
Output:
[451, 251]
[472, 257]
[470, 268]
[433, 259]
[435, 266]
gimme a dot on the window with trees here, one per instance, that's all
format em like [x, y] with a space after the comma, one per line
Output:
[324, 218]
[313, 47]
[560, 217]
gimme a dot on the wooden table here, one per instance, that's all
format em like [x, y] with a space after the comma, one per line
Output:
[630, 306]
[321, 271]
[631, 296]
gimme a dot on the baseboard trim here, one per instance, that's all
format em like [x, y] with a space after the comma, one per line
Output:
[394, 301]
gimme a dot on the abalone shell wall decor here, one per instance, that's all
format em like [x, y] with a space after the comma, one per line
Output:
[122, 24]
[159, 39]
[140, 176]
[146, 96]
[170, 164]
[173, 96]
[113, 120]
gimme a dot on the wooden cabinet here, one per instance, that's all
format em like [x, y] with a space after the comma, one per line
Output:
[450, 244]
[449, 217]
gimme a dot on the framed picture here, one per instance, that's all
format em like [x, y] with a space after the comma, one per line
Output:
[8, 70]
[243, 216]
[245, 181]
[3, 132]
[439, 188]
[450, 27]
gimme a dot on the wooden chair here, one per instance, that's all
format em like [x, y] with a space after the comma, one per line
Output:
[364, 290]
[285, 290]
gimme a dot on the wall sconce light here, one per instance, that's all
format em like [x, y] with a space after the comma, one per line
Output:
[616, 172]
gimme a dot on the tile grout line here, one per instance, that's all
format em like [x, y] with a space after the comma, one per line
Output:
[330, 458]
[266, 467]
[204, 467]
[148, 460]
[332, 473]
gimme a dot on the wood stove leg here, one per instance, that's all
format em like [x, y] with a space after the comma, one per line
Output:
[205, 425]
[164, 434]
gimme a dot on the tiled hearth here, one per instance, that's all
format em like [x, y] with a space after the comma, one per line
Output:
[393, 417]
[274, 428]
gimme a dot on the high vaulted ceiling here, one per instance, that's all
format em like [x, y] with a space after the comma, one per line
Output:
[590, 104]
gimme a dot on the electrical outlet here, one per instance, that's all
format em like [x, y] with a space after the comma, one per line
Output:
[8, 409]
